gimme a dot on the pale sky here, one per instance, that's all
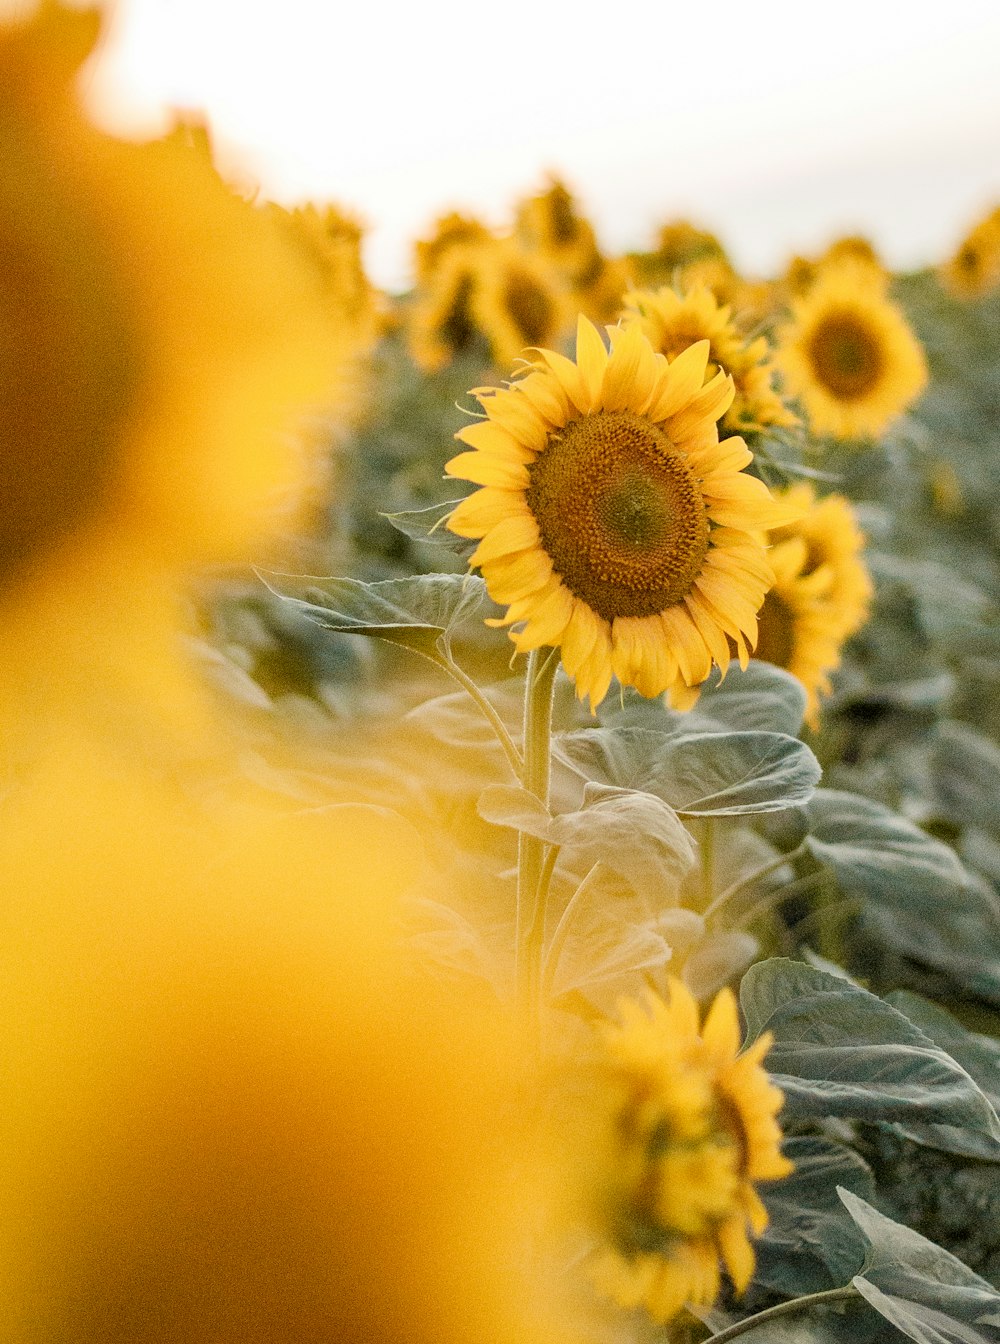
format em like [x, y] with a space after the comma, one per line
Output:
[779, 124]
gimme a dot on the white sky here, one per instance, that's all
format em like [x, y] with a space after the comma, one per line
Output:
[778, 122]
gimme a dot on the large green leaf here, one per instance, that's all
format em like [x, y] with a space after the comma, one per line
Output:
[761, 698]
[811, 1244]
[697, 774]
[840, 1051]
[915, 892]
[924, 1291]
[978, 1055]
[418, 612]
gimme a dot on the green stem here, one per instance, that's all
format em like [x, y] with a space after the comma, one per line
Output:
[783, 1309]
[531, 891]
[492, 717]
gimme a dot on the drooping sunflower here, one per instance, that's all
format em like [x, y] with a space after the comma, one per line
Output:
[850, 356]
[612, 523]
[821, 594]
[674, 319]
[691, 1129]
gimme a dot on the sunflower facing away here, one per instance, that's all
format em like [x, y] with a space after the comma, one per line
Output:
[850, 357]
[611, 521]
[692, 1128]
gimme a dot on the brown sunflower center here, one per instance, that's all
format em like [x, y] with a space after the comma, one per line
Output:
[620, 514]
[775, 632]
[846, 356]
[529, 307]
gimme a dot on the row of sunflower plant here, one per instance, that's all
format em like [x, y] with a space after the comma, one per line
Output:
[738, 539]
[679, 1044]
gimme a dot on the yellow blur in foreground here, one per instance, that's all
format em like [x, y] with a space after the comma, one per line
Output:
[229, 1110]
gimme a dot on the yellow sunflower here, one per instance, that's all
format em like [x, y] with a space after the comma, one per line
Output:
[612, 523]
[850, 356]
[821, 595]
[450, 230]
[517, 301]
[551, 224]
[675, 319]
[692, 1128]
[975, 267]
[441, 323]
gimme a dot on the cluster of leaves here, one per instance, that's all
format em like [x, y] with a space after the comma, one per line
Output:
[863, 915]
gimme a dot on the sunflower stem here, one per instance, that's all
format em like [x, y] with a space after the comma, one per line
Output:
[489, 713]
[532, 890]
[829, 1295]
[707, 860]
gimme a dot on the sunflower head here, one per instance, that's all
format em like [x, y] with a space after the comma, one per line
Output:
[167, 336]
[450, 230]
[675, 318]
[821, 595]
[975, 267]
[611, 522]
[850, 356]
[690, 1129]
[552, 225]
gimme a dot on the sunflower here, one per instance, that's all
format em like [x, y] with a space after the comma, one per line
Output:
[450, 230]
[551, 224]
[441, 324]
[821, 595]
[612, 523]
[674, 319]
[517, 301]
[691, 1129]
[975, 267]
[850, 357]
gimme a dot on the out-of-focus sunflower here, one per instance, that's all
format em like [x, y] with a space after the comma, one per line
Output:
[975, 267]
[450, 230]
[492, 296]
[551, 224]
[518, 301]
[679, 244]
[850, 357]
[690, 1130]
[440, 324]
[821, 594]
[673, 320]
[612, 522]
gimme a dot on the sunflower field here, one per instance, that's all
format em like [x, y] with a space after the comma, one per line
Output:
[500, 810]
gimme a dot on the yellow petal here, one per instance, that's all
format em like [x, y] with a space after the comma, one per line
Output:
[478, 512]
[507, 537]
[498, 442]
[687, 645]
[736, 1252]
[714, 399]
[547, 621]
[686, 375]
[622, 388]
[592, 360]
[484, 469]
[512, 410]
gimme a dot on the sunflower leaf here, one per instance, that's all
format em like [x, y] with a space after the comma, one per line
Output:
[697, 774]
[910, 883]
[920, 1288]
[427, 525]
[811, 1243]
[841, 1051]
[634, 834]
[418, 613]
